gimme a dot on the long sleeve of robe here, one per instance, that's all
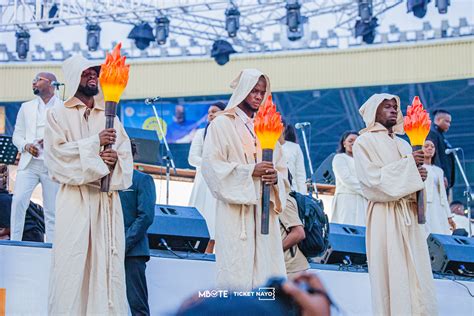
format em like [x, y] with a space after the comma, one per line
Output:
[244, 257]
[87, 274]
[399, 265]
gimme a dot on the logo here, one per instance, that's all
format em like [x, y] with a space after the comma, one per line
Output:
[213, 294]
[265, 294]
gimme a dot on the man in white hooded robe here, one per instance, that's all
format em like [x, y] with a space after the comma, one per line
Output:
[87, 263]
[399, 264]
[233, 169]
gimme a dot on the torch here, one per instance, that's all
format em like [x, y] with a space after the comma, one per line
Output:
[417, 126]
[268, 128]
[113, 80]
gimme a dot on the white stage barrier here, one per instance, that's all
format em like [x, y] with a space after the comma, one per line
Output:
[24, 272]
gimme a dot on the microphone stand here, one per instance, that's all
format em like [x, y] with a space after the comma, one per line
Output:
[467, 191]
[311, 186]
[168, 157]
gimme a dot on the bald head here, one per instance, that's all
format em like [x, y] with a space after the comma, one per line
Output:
[42, 85]
[48, 75]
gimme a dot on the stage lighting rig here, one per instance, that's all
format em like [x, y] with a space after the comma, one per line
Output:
[162, 29]
[418, 7]
[442, 6]
[22, 43]
[220, 51]
[365, 10]
[93, 36]
[232, 23]
[142, 34]
[366, 30]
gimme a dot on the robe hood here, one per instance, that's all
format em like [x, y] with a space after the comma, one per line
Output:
[368, 112]
[72, 70]
[243, 84]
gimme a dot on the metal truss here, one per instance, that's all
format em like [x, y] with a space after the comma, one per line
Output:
[200, 21]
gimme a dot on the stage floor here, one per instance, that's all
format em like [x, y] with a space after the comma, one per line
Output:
[24, 273]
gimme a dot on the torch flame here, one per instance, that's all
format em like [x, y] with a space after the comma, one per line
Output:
[417, 123]
[268, 125]
[114, 75]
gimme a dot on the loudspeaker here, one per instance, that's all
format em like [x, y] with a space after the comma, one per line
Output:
[451, 254]
[182, 228]
[324, 173]
[346, 245]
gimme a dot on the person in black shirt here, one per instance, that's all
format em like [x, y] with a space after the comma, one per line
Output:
[442, 122]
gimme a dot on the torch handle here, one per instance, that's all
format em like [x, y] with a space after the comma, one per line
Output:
[110, 113]
[420, 199]
[267, 155]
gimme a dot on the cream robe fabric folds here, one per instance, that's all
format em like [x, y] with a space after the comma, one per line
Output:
[399, 265]
[244, 257]
[87, 264]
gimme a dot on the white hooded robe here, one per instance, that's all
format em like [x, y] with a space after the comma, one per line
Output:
[87, 263]
[399, 264]
[244, 257]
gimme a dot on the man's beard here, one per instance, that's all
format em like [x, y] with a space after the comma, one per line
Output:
[88, 91]
[250, 107]
[36, 91]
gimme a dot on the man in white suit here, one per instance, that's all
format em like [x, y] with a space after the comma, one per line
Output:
[28, 138]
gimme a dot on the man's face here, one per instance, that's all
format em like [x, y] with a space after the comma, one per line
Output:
[4, 233]
[41, 85]
[179, 113]
[443, 120]
[457, 209]
[255, 97]
[89, 84]
[387, 113]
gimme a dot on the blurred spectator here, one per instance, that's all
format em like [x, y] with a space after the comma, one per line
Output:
[201, 197]
[305, 295]
[439, 219]
[138, 206]
[460, 216]
[292, 232]
[294, 158]
[442, 122]
[349, 205]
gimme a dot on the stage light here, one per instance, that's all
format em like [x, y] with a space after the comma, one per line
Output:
[142, 34]
[293, 15]
[365, 10]
[48, 26]
[220, 51]
[22, 43]
[162, 29]
[232, 23]
[93, 36]
[418, 7]
[366, 30]
[442, 6]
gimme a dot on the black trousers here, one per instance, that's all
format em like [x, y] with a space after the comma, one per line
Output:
[137, 292]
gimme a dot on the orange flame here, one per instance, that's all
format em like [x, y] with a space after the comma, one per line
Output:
[417, 123]
[114, 75]
[268, 125]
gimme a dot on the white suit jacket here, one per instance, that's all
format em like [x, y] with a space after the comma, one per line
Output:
[25, 129]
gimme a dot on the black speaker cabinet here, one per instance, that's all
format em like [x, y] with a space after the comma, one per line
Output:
[182, 228]
[346, 245]
[451, 254]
